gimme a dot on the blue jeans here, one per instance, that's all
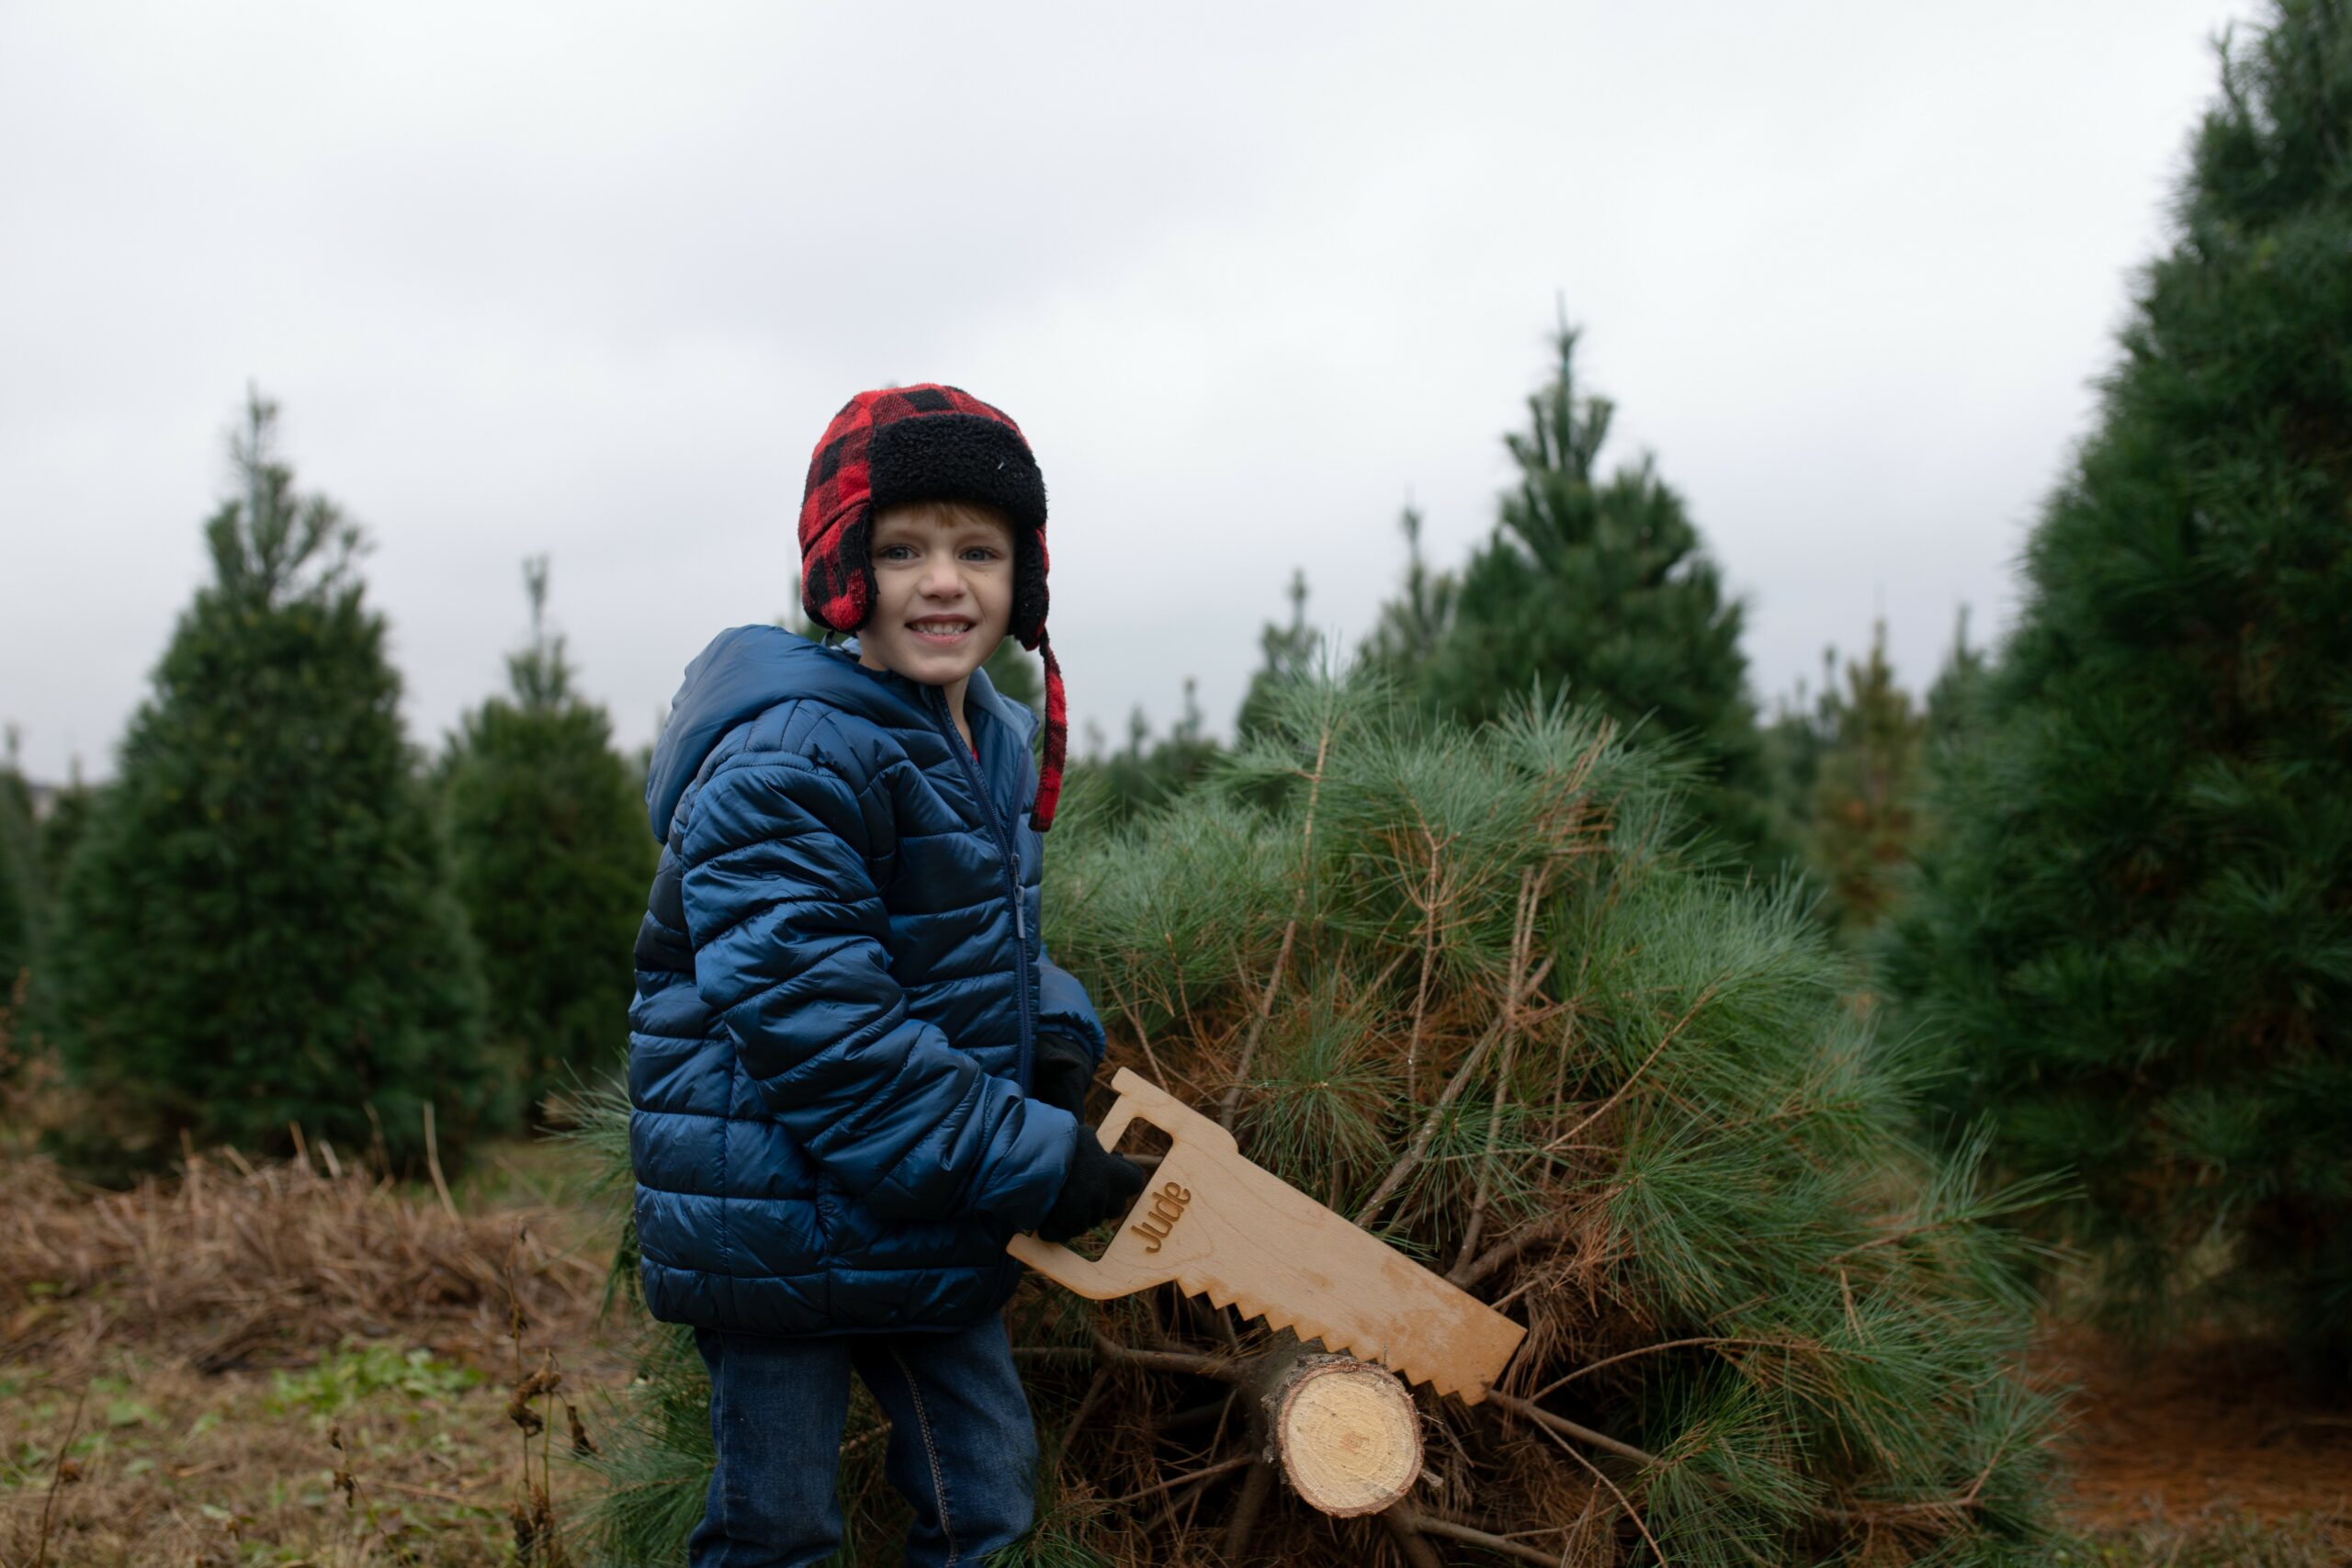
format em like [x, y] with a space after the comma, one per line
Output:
[963, 1446]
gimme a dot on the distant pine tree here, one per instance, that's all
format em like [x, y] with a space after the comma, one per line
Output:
[1413, 624]
[22, 891]
[1802, 728]
[1148, 771]
[2135, 929]
[553, 856]
[1017, 676]
[1288, 655]
[1604, 586]
[1957, 687]
[254, 929]
[1865, 789]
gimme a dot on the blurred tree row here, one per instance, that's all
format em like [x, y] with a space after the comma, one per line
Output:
[276, 918]
[552, 860]
[2131, 945]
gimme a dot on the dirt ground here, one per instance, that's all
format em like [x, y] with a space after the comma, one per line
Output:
[312, 1370]
[2215, 1429]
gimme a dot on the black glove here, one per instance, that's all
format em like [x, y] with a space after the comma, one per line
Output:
[1061, 1074]
[1101, 1186]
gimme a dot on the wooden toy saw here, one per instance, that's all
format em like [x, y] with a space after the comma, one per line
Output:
[1219, 1226]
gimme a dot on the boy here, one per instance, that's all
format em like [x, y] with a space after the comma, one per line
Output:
[854, 1073]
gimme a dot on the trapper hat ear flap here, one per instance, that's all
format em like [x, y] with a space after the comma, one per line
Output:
[927, 443]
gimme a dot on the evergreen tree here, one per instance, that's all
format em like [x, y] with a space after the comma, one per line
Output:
[1288, 654]
[1956, 689]
[2135, 928]
[1863, 815]
[1017, 675]
[22, 885]
[1148, 771]
[548, 824]
[1802, 728]
[254, 929]
[1412, 625]
[1604, 586]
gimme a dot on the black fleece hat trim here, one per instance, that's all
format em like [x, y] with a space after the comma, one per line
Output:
[956, 456]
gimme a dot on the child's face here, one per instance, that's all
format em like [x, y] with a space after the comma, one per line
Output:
[942, 580]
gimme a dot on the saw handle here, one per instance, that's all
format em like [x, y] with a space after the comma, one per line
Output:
[1141, 1096]
[1123, 1270]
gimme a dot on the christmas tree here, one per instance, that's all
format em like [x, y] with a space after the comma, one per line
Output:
[254, 929]
[1601, 586]
[552, 860]
[1865, 784]
[1414, 624]
[23, 888]
[2132, 932]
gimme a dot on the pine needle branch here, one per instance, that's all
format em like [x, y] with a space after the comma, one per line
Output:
[1705, 995]
[1506, 1019]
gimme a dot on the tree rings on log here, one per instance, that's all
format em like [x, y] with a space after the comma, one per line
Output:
[1347, 1434]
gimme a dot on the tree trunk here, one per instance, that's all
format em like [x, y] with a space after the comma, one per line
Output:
[1344, 1432]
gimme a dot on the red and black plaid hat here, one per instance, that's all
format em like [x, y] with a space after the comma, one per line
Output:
[927, 443]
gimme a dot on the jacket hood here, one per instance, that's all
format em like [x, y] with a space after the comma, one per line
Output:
[748, 670]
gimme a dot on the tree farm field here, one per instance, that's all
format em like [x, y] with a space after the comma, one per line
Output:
[179, 1363]
[298, 1362]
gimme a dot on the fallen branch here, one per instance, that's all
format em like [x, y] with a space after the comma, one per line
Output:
[1668, 1345]
[1218, 1367]
[1210, 1473]
[1527, 1410]
[1487, 1262]
[1546, 1421]
[1453, 1529]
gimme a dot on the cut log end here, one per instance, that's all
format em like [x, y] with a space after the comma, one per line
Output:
[1347, 1434]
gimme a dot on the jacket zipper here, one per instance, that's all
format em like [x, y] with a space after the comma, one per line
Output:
[1011, 875]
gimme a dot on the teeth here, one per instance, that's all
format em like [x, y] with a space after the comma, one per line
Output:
[1370, 1352]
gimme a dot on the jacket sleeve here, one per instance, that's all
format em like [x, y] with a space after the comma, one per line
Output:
[788, 931]
[1063, 1009]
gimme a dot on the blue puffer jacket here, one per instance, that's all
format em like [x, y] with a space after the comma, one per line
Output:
[840, 985]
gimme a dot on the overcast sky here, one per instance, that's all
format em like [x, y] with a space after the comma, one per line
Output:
[589, 280]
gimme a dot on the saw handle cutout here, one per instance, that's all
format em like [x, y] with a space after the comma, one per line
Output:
[1135, 1259]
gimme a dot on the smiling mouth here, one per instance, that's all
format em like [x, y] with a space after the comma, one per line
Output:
[940, 631]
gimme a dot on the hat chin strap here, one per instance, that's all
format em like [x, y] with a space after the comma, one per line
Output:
[1049, 772]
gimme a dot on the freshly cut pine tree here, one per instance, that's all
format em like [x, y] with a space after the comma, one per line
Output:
[254, 929]
[1464, 986]
[1603, 586]
[2134, 933]
[553, 859]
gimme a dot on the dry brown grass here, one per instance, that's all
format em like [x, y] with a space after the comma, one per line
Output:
[287, 1364]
